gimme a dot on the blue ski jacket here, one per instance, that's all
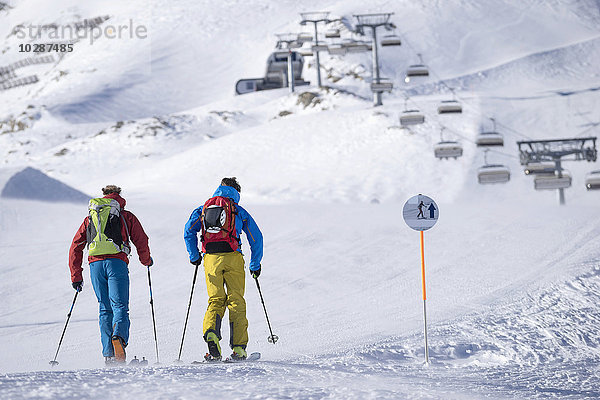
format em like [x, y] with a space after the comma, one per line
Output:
[243, 221]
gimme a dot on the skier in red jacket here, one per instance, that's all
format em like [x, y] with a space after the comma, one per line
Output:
[110, 276]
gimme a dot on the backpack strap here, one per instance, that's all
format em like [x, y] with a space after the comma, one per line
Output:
[234, 212]
[202, 227]
[126, 249]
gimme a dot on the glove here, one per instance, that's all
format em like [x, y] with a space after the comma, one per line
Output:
[256, 273]
[78, 286]
[197, 262]
[151, 262]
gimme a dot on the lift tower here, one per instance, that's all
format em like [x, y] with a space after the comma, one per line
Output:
[557, 151]
[315, 17]
[375, 21]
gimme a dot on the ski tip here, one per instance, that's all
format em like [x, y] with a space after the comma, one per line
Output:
[251, 357]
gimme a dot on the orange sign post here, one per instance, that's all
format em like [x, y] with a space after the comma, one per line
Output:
[421, 213]
[424, 297]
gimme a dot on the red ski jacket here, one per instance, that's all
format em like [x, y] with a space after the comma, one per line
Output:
[136, 233]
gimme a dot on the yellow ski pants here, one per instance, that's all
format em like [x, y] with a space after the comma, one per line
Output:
[226, 283]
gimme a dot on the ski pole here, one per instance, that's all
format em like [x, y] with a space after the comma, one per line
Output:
[54, 362]
[188, 313]
[153, 319]
[273, 338]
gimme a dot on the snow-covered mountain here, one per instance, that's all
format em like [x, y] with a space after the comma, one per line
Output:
[512, 277]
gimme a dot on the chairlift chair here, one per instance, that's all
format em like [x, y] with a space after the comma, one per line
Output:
[319, 47]
[332, 33]
[391, 40]
[357, 47]
[306, 52]
[447, 148]
[449, 107]
[535, 168]
[411, 117]
[382, 86]
[592, 180]
[490, 138]
[304, 37]
[336, 49]
[552, 182]
[279, 56]
[417, 70]
[492, 173]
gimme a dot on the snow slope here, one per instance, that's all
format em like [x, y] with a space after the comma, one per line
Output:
[512, 279]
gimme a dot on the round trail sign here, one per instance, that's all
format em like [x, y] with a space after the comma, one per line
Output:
[420, 212]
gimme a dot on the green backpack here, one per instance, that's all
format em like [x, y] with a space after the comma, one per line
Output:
[104, 228]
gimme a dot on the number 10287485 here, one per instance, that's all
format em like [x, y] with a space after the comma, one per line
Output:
[46, 48]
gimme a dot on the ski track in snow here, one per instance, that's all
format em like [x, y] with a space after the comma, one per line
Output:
[531, 348]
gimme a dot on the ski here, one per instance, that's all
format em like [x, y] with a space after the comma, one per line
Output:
[251, 357]
[137, 362]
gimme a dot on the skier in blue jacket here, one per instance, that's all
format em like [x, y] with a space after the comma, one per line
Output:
[224, 264]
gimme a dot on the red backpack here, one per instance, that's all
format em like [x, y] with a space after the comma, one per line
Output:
[218, 226]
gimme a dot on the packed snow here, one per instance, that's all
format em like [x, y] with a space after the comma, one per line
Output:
[512, 278]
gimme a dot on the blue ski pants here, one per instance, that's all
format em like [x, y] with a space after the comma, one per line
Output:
[110, 279]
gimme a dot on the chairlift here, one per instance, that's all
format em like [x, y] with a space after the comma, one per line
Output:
[319, 47]
[278, 56]
[535, 168]
[449, 107]
[592, 180]
[390, 40]
[552, 182]
[487, 139]
[490, 138]
[417, 70]
[492, 173]
[333, 33]
[411, 117]
[304, 37]
[358, 47]
[336, 49]
[447, 148]
[306, 52]
[382, 86]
